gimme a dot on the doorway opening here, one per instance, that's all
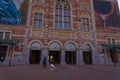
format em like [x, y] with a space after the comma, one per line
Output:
[54, 57]
[113, 55]
[87, 57]
[3, 52]
[70, 57]
[35, 56]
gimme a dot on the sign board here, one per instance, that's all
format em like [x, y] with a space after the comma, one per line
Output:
[13, 12]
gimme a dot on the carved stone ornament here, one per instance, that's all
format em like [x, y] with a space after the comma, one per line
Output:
[53, 0]
[46, 15]
[39, 2]
[79, 24]
[84, 6]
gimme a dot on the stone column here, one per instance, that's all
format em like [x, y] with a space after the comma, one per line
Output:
[63, 57]
[27, 54]
[95, 52]
[79, 57]
[94, 57]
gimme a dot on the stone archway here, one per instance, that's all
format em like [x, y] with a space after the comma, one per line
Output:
[35, 53]
[55, 53]
[70, 53]
[87, 54]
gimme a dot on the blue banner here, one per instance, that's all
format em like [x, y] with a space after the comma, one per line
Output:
[10, 12]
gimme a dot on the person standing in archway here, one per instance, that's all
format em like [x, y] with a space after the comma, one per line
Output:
[44, 63]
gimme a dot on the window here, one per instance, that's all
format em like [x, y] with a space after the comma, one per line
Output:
[7, 35]
[111, 40]
[85, 24]
[4, 35]
[62, 16]
[58, 17]
[37, 20]
[67, 18]
[63, 1]
[1, 35]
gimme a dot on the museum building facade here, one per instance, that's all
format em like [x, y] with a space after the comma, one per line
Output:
[65, 32]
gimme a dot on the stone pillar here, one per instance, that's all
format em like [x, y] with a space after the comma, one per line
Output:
[25, 49]
[63, 57]
[118, 58]
[26, 56]
[79, 56]
[44, 53]
[95, 53]
[94, 57]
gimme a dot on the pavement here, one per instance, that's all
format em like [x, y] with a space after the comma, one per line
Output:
[60, 72]
[108, 68]
[27, 72]
[90, 72]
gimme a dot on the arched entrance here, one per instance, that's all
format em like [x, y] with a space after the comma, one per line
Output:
[54, 53]
[87, 54]
[35, 53]
[70, 54]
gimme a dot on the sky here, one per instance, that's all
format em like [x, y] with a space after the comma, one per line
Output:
[119, 4]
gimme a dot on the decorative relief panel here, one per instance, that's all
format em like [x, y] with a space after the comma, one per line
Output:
[84, 6]
[86, 35]
[62, 34]
[39, 2]
[36, 33]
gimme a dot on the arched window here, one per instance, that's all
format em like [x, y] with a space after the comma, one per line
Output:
[62, 15]
[70, 47]
[35, 46]
[55, 46]
[111, 40]
[87, 47]
[67, 17]
[58, 16]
